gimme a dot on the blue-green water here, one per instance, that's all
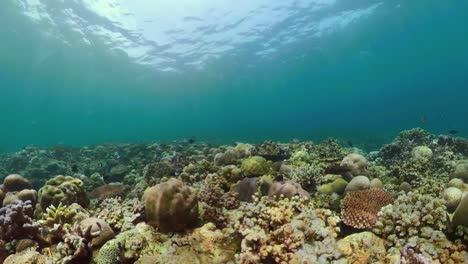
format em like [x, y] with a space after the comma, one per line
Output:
[93, 71]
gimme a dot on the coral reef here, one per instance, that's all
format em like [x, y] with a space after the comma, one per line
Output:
[269, 203]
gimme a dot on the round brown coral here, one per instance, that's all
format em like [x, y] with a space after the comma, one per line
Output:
[360, 208]
[171, 206]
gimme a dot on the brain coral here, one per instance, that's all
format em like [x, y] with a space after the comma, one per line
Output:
[360, 208]
[171, 206]
[63, 189]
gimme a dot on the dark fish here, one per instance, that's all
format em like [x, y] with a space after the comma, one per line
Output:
[279, 178]
[191, 140]
[350, 143]
[453, 132]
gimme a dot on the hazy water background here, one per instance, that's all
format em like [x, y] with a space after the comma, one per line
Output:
[93, 71]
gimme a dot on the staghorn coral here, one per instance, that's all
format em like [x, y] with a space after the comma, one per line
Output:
[121, 215]
[63, 215]
[171, 206]
[75, 246]
[360, 208]
[408, 214]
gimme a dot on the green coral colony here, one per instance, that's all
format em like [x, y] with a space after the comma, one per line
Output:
[189, 202]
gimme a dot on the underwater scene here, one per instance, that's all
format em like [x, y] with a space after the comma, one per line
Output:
[249, 131]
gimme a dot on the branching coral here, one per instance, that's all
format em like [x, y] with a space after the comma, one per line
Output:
[63, 215]
[272, 231]
[16, 221]
[215, 200]
[75, 247]
[408, 215]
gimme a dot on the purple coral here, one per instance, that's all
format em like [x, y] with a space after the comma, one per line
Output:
[16, 222]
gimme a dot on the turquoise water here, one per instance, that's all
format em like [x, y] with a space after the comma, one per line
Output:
[97, 71]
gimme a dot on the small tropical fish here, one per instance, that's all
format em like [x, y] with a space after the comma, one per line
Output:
[453, 132]
[350, 143]
[191, 140]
